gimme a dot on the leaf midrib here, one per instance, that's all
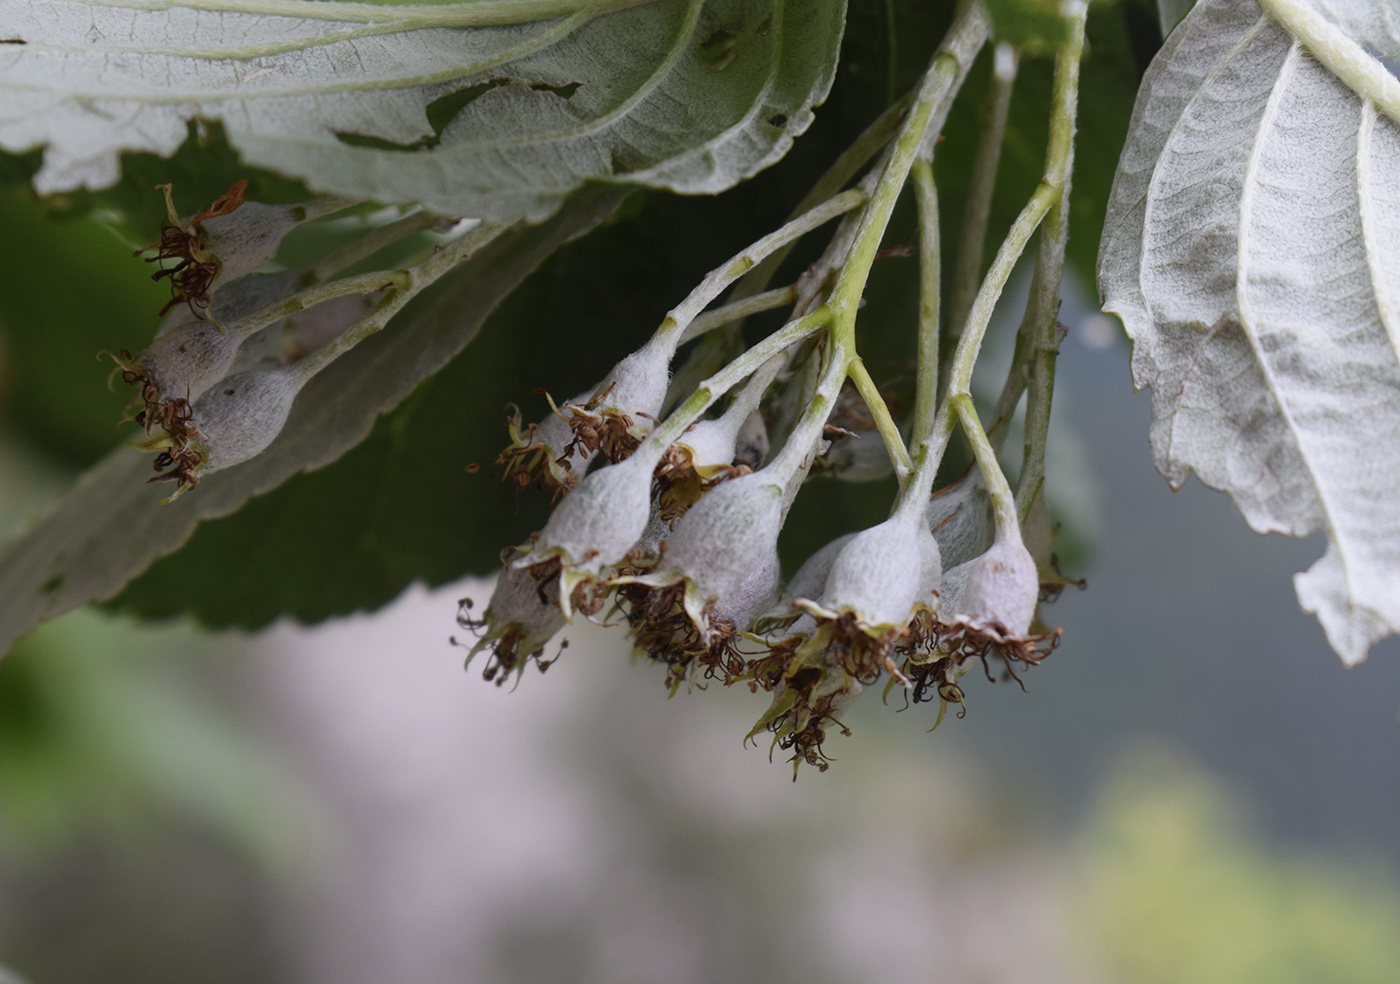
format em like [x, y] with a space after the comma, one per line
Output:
[1320, 488]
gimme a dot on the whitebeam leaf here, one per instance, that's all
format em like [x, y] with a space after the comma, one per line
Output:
[1252, 249]
[493, 108]
[110, 526]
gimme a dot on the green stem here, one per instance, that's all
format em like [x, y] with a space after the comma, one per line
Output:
[930, 262]
[370, 243]
[965, 358]
[797, 453]
[973, 236]
[1043, 308]
[852, 159]
[739, 310]
[714, 284]
[939, 85]
[970, 343]
[365, 283]
[1004, 512]
[407, 285]
[730, 376]
[706, 356]
[884, 423]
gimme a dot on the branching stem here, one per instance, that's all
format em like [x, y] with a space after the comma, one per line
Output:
[930, 263]
[940, 84]
[370, 243]
[1042, 310]
[364, 283]
[739, 310]
[405, 285]
[852, 159]
[678, 320]
[973, 235]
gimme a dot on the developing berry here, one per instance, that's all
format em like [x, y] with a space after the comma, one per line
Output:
[808, 582]
[729, 446]
[589, 531]
[624, 406]
[231, 423]
[872, 594]
[988, 605]
[700, 459]
[610, 419]
[540, 452]
[718, 569]
[179, 365]
[1002, 588]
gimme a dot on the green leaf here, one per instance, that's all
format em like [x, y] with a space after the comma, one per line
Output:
[110, 526]
[490, 109]
[55, 391]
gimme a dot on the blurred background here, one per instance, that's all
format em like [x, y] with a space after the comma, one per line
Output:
[1193, 790]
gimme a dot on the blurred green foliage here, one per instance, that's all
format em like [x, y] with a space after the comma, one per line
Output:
[1177, 891]
[72, 288]
[97, 734]
[1037, 25]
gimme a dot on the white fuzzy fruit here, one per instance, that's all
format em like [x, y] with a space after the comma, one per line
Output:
[1002, 586]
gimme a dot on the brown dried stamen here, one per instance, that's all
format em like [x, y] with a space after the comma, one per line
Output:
[195, 270]
[801, 727]
[506, 659]
[526, 462]
[956, 643]
[680, 485]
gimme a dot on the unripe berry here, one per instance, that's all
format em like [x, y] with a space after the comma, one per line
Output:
[1002, 587]
[742, 605]
[719, 543]
[243, 414]
[611, 418]
[244, 239]
[187, 361]
[808, 582]
[878, 575]
[594, 527]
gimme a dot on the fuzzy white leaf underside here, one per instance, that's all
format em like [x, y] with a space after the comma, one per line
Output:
[1252, 249]
[93, 79]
